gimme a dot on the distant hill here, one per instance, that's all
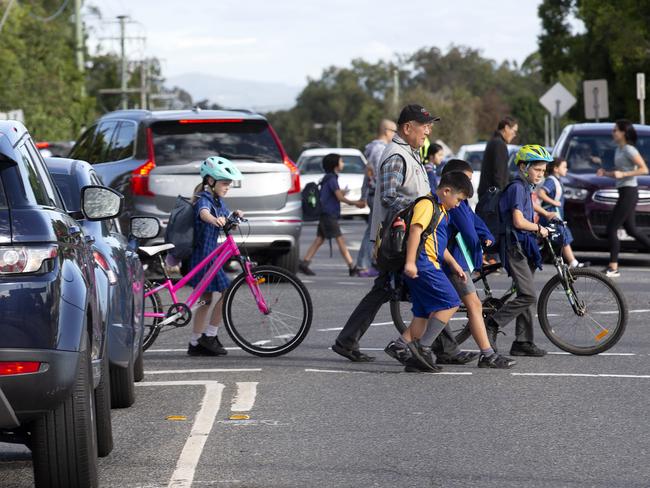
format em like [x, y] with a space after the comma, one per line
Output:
[232, 93]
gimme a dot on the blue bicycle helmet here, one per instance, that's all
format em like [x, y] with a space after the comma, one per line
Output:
[220, 169]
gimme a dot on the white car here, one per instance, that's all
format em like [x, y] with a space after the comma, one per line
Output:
[473, 154]
[310, 164]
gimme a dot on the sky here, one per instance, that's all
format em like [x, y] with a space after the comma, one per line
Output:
[287, 41]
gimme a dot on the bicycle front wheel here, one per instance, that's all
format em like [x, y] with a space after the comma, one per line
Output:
[285, 325]
[602, 315]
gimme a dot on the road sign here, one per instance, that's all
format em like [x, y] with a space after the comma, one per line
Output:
[557, 100]
[596, 99]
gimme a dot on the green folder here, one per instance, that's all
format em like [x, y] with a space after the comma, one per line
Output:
[465, 251]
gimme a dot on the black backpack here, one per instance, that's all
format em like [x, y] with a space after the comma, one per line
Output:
[311, 206]
[392, 236]
[487, 209]
[180, 228]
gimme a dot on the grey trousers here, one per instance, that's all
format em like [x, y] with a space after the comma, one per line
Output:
[521, 307]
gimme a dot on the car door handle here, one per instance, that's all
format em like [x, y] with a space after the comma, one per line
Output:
[74, 229]
[89, 239]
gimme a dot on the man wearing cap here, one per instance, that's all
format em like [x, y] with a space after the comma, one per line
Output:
[402, 178]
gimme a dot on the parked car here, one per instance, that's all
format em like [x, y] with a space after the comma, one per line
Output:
[590, 198]
[310, 164]
[54, 387]
[473, 154]
[121, 284]
[54, 148]
[152, 157]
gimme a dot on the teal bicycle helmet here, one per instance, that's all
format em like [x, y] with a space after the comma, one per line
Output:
[220, 169]
[532, 153]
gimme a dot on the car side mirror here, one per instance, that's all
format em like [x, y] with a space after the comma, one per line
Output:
[145, 227]
[100, 202]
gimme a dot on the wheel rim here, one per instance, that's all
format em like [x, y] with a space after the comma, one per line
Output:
[277, 330]
[602, 319]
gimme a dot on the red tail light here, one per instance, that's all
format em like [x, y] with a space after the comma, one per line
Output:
[209, 121]
[18, 367]
[42, 145]
[295, 176]
[140, 176]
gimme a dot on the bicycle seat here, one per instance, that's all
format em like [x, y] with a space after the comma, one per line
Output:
[153, 250]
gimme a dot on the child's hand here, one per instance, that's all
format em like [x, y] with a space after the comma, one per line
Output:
[543, 231]
[239, 214]
[601, 172]
[618, 175]
[360, 204]
[220, 221]
[411, 270]
[488, 243]
[553, 216]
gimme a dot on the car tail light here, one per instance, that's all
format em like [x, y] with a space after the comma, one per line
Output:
[140, 175]
[42, 145]
[24, 259]
[295, 176]
[18, 367]
[209, 121]
[101, 261]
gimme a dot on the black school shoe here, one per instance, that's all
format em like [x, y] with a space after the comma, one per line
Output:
[463, 357]
[412, 365]
[303, 267]
[422, 356]
[213, 344]
[353, 355]
[199, 350]
[495, 361]
[394, 350]
[526, 349]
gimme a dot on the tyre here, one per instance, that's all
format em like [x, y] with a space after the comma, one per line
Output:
[289, 260]
[152, 304]
[138, 367]
[274, 333]
[64, 442]
[122, 386]
[597, 328]
[103, 411]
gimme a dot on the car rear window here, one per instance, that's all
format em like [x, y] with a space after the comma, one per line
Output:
[313, 165]
[584, 151]
[475, 159]
[180, 143]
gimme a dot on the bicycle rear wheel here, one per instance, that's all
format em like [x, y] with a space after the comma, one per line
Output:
[152, 304]
[596, 330]
[288, 320]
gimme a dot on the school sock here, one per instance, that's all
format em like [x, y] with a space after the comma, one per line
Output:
[434, 328]
[401, 342]
[487, 352]
[194, 338]
[211, 330]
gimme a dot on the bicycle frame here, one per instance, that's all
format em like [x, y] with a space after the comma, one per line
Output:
[221, 254]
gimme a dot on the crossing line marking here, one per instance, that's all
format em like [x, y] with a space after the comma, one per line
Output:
[245, 397]
[585, 375]
[449, 373]
[207, 370]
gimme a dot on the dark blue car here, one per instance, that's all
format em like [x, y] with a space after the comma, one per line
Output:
[54, 388]
[121, 291]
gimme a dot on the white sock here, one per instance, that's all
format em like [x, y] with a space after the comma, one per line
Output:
[574, 263]
[211, 330]
[194, 338]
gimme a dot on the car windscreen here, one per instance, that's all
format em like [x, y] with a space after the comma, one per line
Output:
[475, 159]
[586, 153]
[313, 165]
[180, 142]
[67, 186]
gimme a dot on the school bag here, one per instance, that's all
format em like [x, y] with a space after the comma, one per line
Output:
[392, 236]
[311, 206]
[487, 209]
[180, 228]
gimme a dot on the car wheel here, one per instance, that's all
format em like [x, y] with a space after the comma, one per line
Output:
[103, 411]
[122, 386]
[64, 442]
[289, 260]
[138, 368]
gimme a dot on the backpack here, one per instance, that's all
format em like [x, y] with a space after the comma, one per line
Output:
[487, 209]
[180, 228]
[392, 236]
[311, 206]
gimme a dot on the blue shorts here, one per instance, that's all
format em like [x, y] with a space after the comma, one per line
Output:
[431, 292]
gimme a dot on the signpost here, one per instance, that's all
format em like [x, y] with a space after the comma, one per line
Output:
[640, 95]
[557, 100]
[596, 99]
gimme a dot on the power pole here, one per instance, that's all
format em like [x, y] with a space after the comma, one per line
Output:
[123, 74]
[395, 90]
[5, 16]
[79, 43]
[144, 77]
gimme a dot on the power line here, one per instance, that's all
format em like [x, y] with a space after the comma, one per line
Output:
[58, 12]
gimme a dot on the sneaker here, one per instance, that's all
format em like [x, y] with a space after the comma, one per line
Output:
[397, 352]
[353, 355]
[414, 366]
[423, 355]
[463, 357]
[199, 350]
[496, 361]
[612, 273]
[354, 271]
[526, 349]
[369, 273]
[303, 266]
[213, 344]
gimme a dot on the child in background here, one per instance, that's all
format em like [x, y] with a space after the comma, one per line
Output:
[551, 194]
[434, 158]
[331, 197]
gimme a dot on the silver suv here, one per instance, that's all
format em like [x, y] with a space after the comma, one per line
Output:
[151, 157]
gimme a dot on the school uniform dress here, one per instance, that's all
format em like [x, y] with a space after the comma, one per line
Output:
[431, 291]
[555, 190]
[206, 238]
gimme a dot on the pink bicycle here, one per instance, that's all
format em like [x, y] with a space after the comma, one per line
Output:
[267, 310]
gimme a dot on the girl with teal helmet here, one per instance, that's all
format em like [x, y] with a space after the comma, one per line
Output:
[219, 168]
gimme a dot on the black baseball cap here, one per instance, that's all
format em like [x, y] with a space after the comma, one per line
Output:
[417, 113]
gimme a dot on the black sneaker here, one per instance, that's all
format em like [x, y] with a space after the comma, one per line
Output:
[526, 349]
[463, 357]
[423, 355]
[303, 266]
[212, 343]
[401, 354]
[353, 355]
[413, 365]
[496, 361]
[199, 350]
[354, 271]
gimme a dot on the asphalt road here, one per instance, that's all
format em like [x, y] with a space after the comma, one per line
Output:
[317, 420]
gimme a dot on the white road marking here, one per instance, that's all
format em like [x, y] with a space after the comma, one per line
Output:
[185, 350]
[245, 397]
[354, 283]
[215, 370]
[374, 324]
[183, 475]
[452, 373]
[585, 375]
